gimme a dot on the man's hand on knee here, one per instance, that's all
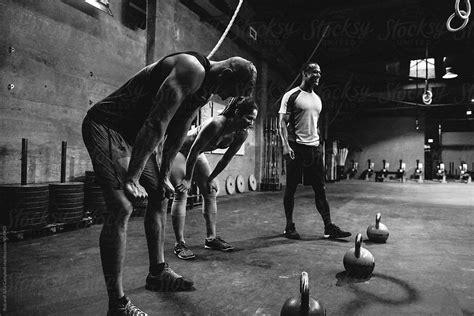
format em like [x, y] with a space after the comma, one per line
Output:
[168, 189]
[134, 191]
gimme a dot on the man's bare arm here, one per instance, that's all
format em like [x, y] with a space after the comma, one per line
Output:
[284, 135]
[181, 82]
[175, 140]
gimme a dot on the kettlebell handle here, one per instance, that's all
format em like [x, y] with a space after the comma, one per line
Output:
[377, 220]
[304, 290]
[358, 242]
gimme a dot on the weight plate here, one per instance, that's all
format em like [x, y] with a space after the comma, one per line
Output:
[66, 205]
[66, 188]
[230, 185]
[67, 199]
[17, 188]
[252, 183]
[26, 210]
[94, 193]
[57, 196]
[240, 184]
[26, 195]
[66, 185]
[29, 204]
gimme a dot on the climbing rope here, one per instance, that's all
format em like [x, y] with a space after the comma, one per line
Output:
[226, 30]
[458, 12]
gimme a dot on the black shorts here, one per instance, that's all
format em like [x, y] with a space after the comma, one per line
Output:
[308, 166]
[110, 154]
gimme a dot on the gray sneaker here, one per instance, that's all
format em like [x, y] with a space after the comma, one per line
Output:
[183, 252]
[217, 244]
[167, 281]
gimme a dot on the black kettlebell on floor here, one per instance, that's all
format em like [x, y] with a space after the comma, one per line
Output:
[358, 261]
[303, 305]
[378, 232]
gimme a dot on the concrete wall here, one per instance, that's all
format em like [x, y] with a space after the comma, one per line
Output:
[391, 139]
[67, 56]
[458, 148]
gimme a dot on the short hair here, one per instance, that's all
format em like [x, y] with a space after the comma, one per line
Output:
[246, 105]
[245, 72]
[307, 66]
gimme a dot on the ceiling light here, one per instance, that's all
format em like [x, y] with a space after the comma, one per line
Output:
[102, 5]
[449, 73]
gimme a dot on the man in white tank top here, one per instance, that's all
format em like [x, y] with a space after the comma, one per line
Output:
[299, 114]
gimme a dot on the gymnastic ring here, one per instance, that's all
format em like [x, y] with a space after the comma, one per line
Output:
[459, 12]
[427, 97]
[448, 23]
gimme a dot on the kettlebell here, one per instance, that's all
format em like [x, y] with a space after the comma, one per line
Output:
[303, 305]
[358, 261]
[378, 232]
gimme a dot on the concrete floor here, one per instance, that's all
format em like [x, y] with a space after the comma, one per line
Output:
[425, 268]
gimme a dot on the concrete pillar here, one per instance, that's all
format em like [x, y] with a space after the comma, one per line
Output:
[161, 33]
[150, 31]
[261, 95]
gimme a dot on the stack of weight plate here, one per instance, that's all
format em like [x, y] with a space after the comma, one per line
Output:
[24, 206]
[66, 202]
[94, 202]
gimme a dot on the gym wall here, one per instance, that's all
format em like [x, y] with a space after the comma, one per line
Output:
[387, 138]
[62, 56]
[458, 147]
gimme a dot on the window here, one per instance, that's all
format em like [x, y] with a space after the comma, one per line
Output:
[135, 14]
[419, 67]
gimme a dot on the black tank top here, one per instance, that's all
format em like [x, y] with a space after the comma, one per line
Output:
[126, 109]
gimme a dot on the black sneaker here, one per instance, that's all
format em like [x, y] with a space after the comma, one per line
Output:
[334, 232]
[183, 252]
[290, 232]
[217, 244]
[126, 310]
[168, 281]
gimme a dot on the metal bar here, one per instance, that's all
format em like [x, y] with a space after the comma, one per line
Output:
[24, 161]
[63, 161]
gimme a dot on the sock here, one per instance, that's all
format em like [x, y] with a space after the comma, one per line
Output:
[121, 302]
[157, 268]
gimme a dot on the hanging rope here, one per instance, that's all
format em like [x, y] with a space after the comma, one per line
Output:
[463, 15]
[226, 30]
[427, 97]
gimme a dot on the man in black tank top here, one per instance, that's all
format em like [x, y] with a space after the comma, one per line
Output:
[128, 134]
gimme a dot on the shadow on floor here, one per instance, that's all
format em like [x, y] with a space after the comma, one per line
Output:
[366, 298]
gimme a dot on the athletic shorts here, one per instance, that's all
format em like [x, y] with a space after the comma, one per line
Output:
[110, 154]
[308, 166]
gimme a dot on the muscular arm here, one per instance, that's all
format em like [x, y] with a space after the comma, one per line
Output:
[184, 79]
[201, 143]
[175, 140]
[229, 154]
[284, 133]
